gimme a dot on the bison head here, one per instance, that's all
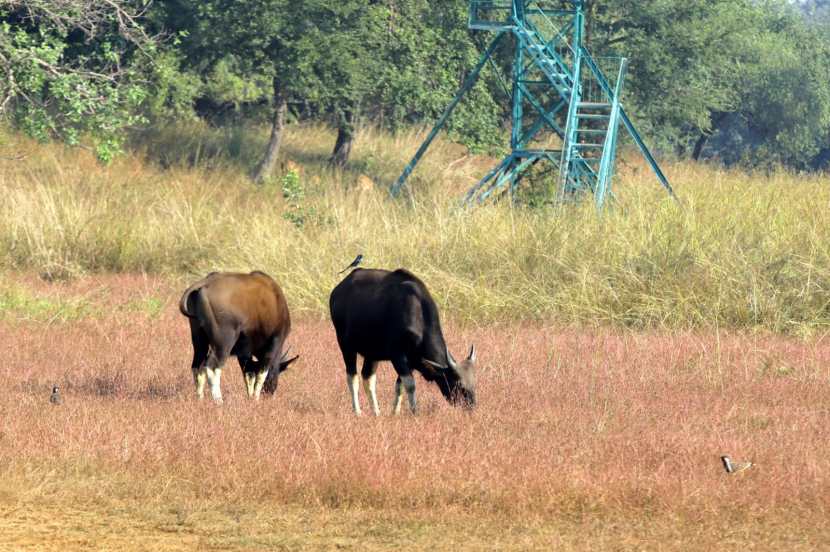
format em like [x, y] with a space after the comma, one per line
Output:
[458, 380]
[273, 377]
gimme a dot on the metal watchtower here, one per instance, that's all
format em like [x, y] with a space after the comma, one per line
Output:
[566, 110]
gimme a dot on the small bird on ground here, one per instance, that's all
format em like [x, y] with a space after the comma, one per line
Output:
[55, 397]
[734, 467]
[354, 264]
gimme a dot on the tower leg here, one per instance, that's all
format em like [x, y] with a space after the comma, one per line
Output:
[468, 83]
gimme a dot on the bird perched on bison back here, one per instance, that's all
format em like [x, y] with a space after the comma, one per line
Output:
[357, 260]
[242, 315]
[55, 397]
[383, 315]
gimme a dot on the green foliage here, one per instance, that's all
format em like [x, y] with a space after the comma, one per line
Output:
[747, 79]
[695, 63]
[396, 63]
[785, 99]
[226, 83]
[72, 72]
[152, 307]
[686, 58]
[173, 89]
[428, 52]
[19, 303]
[294, 194]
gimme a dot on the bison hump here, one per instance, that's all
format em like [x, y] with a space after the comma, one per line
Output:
[404, 274]
[260, 273]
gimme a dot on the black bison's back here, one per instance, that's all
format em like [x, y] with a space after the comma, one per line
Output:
[379, 312]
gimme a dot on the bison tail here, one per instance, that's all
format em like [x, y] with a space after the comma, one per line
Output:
[183, 302]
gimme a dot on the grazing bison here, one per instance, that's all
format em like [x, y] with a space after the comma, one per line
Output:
[385, 315]
[237, 314]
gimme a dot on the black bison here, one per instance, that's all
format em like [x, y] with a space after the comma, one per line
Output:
[245, 315]
[383, 315]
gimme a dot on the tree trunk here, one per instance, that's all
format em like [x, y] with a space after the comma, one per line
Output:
[265, 166]
[345, 138]
[717, 118]
[704, 137]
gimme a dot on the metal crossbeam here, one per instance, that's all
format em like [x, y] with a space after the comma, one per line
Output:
[468, 84]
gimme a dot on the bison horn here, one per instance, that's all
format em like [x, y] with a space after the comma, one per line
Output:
[285, 361]
[450, 359]
[472, 356]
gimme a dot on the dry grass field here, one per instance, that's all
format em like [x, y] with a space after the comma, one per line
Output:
[583, 439]
[620, 356]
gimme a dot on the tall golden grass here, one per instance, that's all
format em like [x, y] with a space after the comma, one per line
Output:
[740, 250]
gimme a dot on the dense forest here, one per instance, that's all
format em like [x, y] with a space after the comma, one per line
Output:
[737, 81]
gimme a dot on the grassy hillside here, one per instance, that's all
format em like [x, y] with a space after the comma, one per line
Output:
[743, 251]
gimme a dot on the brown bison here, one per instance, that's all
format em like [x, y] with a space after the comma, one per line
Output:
[383, 315]
[244, 315]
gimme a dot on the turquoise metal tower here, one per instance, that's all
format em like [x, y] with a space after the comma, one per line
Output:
[566, 109]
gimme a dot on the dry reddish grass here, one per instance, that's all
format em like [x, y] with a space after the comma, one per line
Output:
[573, 424]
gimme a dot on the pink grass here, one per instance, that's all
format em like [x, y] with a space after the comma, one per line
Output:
[567, 418]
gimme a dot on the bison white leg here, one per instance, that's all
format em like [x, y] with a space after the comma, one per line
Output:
[199, 378]
[396, 404]
[370, 386]
[250, 383]
[214, 375]
[352, 382]
[409, 385]
[259, 381]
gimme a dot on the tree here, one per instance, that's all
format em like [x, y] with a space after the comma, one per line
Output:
[342, 60]
[280, 41]
[427, 53]
[401, 61]
[701, 67]
[685, 59]
[350, 32]
[74, 69]
[782, 115]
